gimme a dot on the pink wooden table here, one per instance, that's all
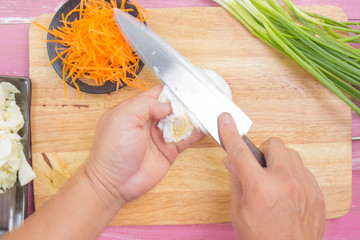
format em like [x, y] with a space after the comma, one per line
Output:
[15, 19]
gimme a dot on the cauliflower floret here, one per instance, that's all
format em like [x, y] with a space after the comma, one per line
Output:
[12, 157]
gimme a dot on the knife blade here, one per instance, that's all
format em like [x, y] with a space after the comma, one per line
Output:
[205, 102]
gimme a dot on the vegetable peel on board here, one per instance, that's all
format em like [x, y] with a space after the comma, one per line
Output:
[12, 157]
[93, 47]
[316, 43]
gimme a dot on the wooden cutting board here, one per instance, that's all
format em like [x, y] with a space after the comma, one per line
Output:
[280, 97]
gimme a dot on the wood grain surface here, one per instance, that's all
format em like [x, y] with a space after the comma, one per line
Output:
[280, 97]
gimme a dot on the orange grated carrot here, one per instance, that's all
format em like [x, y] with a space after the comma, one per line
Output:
[92, 47]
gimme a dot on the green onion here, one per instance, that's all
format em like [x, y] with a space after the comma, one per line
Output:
[316, 42]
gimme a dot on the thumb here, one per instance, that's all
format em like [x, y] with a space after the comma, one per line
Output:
[159, 110]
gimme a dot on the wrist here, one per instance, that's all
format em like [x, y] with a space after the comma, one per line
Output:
[107, 192]
[81, 209]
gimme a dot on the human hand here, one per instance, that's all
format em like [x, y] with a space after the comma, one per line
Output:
[129, 156]
[282, 201]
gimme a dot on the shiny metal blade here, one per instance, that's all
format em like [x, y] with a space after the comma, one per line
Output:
[205, 102]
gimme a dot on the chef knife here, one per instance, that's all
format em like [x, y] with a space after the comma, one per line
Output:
[205, 102]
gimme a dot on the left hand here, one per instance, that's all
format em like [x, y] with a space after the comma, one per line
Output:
[130, 156]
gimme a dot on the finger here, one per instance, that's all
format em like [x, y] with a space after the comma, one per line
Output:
[242, 159]
[159, 110]
[171, 150]
[236, 187]
[295, 158]
[146, 107]
[308, 174]
[153, 92]
[275, 152]
[230, 167]
[195, 136]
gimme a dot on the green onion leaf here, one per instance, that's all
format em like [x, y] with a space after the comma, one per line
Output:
[318, 43]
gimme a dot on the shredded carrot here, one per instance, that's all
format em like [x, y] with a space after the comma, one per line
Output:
[93, 47]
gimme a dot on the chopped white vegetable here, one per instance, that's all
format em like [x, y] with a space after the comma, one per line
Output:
[7, 92]
[180, 124]
[12, 158]
[10, 113]
[26, 174]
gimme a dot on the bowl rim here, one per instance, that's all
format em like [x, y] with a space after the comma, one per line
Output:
[57, 65]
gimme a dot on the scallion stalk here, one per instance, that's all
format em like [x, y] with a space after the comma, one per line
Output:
[317, 43]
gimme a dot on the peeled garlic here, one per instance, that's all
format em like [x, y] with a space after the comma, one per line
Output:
[180, 124]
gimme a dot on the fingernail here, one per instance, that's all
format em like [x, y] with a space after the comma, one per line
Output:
[226, 118]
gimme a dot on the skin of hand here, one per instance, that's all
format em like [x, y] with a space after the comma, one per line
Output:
[130, 156]
[282, 201]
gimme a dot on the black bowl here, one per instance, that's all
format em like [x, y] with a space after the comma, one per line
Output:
[56, 22]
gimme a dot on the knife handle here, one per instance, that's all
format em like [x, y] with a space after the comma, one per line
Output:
[255, 151]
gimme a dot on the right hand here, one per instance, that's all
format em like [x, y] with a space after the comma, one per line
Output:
[282, 201]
